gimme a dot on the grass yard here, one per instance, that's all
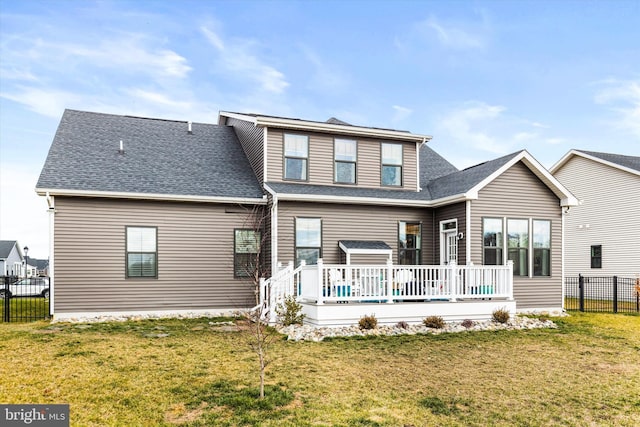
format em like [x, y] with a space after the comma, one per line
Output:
[22, 309]
[192, 373]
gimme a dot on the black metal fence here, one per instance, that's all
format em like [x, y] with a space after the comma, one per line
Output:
[610, 294]
[24, 300]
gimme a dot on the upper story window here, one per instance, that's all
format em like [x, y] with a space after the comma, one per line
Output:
[391, 164]
[345, 155]
[296, 156]
[142, 252]
[541, 247]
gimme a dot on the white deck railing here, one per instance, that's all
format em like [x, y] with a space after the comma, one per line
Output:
[394, 283]
[274, 290]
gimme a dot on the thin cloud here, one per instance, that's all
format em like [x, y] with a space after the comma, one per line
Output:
[454, 37]
[622, 98]
[324, 76]
[401, 113]
[491, 129]
[46, 101]
[237, 59]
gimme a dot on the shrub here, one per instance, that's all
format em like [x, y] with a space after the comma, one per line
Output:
[468, 323]
[368, 322]
[501, 315]
[436, 322]
[402, 324]
[289, 312]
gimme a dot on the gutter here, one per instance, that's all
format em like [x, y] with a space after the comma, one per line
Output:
[151, 196]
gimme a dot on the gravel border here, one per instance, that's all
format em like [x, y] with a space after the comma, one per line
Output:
[315, 334]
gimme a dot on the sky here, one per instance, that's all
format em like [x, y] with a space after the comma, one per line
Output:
[484, 78]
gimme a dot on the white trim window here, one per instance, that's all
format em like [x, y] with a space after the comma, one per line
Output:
[541, 247]
[518, 245]
[142, 252]
[246, 252]
[308, 233]
[296, 157]
[391, 167]
[409, 243]
[492, 241]
[345, 158]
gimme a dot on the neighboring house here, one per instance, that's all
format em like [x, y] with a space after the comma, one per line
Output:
[602, 236]
[40, 266]
[159, 210]
[11, 258]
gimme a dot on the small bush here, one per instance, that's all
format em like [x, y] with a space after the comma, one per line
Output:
[468, 323]
[435, 322]
[289, 312]
[368, 322]
[501, 315]
[402, 325]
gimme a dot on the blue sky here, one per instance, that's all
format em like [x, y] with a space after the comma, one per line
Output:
[485, 78]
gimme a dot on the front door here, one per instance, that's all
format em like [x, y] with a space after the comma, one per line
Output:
[448, 241]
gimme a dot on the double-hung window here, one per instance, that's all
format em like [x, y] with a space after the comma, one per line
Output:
[345, 155]
[409, 243]
[541, 247]
[246, 252]
[308, 240]
[142, 252]
[391, 164]
[518, 245]
[296, 156]
[596, 256]
[492, 241]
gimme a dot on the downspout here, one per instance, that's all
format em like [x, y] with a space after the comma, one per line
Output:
[468, 232]
[564, 212]
[419, 146]
[51, 211]
[274, 229]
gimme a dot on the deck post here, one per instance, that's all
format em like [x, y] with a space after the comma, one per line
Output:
[320, 280]
[510, 280]
[453, 282]
[389, 281]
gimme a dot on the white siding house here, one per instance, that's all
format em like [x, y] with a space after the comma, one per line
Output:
[602, 233]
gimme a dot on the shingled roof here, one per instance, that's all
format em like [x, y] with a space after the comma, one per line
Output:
[159, 157]
[5, 248]
[460, 182]
[631, 162]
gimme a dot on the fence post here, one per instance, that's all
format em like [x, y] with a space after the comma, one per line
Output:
[581, 291]
[6, 301]
[615, 294]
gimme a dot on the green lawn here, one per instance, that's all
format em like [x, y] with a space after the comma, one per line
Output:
[25, 309]
[189, 372]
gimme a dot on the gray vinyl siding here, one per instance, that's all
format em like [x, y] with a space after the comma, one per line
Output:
[518, 193]
[321, 160]
[252, 140]
[456, 211]
[195, 256]
[608, 215]
[351, 222]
